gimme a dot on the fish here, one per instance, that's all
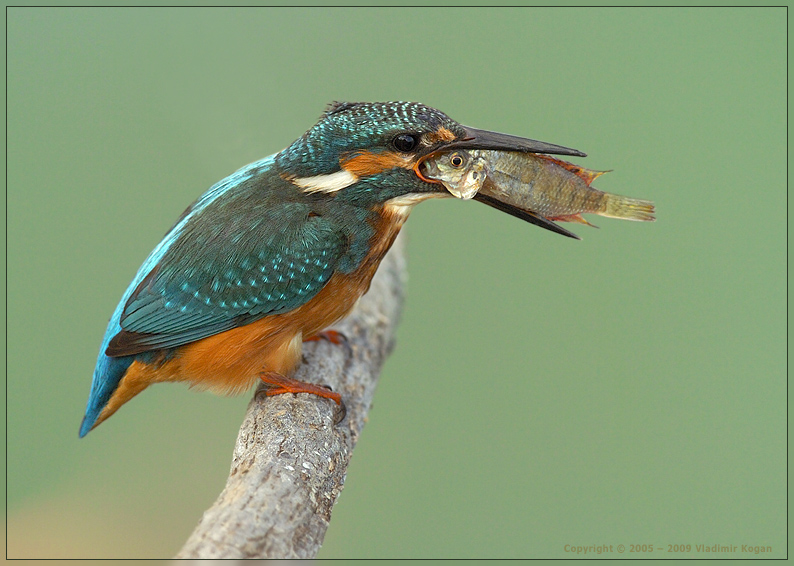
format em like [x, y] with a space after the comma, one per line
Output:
[533, 186]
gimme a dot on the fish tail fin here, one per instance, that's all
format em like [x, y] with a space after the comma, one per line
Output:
[628, 208]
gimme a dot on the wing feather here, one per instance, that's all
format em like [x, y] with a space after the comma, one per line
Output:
[230, 266]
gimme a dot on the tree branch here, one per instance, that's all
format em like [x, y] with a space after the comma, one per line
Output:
[290, 460]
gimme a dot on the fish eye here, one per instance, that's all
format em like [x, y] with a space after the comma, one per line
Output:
[405, 142]
[456, 160]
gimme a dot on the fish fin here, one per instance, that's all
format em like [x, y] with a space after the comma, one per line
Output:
[585, 174]
[627, 208]
[572, 218]
[526, 215]
[590, 175]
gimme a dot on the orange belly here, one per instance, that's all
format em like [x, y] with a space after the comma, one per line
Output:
[230, 362]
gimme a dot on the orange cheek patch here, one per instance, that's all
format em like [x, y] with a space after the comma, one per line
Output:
[440, 135]
[366, 163]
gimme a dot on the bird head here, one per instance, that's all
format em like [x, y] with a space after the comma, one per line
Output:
[367, 153]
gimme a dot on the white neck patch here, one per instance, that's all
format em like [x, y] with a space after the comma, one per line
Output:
[326, 183]
[403, 205]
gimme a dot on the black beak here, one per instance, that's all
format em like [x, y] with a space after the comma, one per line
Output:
[483, 139]
[526, 215]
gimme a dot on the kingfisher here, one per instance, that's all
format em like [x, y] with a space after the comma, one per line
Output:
[276, 253]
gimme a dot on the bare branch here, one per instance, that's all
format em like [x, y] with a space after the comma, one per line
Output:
[290, 460]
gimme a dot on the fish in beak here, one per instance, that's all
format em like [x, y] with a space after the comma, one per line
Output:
[517, 176]
[466, 184]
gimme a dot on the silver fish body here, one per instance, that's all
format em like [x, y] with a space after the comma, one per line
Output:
[535, 183]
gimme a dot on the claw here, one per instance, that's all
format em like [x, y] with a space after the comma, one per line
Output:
[341, 410]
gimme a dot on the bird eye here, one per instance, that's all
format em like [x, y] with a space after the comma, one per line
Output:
[405, 142]
[456, 160]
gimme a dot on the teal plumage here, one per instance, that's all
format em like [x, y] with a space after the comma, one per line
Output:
[275, 252]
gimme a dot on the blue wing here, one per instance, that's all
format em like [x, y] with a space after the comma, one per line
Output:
[237, 260]
[229, 268]
[226, 262]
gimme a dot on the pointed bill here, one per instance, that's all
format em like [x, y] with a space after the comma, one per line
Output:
[483, 139]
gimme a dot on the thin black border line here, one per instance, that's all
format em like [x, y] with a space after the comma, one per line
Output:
[6, 278]
[400, 6]
[416, 6]
[787, 289]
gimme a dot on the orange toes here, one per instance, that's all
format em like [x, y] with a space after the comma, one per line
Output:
[279, 384]
[332, 336]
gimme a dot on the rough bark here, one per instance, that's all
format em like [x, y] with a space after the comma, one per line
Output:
[290, 460]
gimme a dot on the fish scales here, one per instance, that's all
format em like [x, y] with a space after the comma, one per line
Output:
[540, 185]
[535, 183]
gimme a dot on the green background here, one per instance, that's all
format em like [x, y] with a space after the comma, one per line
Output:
[626, 389]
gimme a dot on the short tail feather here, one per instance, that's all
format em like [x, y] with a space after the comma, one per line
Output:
[628, 208]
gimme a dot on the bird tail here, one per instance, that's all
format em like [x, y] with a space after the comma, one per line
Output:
[107, 376]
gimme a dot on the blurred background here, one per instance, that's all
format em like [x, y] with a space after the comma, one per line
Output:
[629, 388]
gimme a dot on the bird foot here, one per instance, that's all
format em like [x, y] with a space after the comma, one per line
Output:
[333, 336]
[278, 384]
